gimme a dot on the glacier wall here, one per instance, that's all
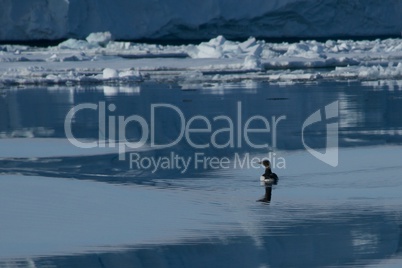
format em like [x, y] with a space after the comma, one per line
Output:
[194, 19]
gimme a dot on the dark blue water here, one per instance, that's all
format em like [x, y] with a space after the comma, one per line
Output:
[320, 215]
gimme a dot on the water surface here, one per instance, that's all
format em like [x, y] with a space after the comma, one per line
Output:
[62, 206]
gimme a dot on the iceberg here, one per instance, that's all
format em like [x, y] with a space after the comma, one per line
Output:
[174, 19]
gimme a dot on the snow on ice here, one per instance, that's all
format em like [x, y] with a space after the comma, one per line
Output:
[100, 60]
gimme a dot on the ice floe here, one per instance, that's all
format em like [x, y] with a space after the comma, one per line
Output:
[99, 60]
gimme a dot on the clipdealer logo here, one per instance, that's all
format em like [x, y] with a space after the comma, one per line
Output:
[113, 129]
[331, 155]
[113, 134]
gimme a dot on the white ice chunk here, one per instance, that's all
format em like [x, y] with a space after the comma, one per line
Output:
[208, 51]
[109, 73]
[76, 44]
[130, 75]
[101, 39]
[218, 41]
[248, 43]
[252, 62]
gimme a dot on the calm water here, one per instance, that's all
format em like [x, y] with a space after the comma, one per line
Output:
[116, 206]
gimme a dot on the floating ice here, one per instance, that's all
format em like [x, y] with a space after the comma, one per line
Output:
[101, 39]
[76, 44]
[100, 60]
[109, 73]
[252, 63]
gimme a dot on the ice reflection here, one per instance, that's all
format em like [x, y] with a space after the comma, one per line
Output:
[62, 207]
[366, 118]
[361, 108]
[389, 85]
[124, 90]
[349, 111]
